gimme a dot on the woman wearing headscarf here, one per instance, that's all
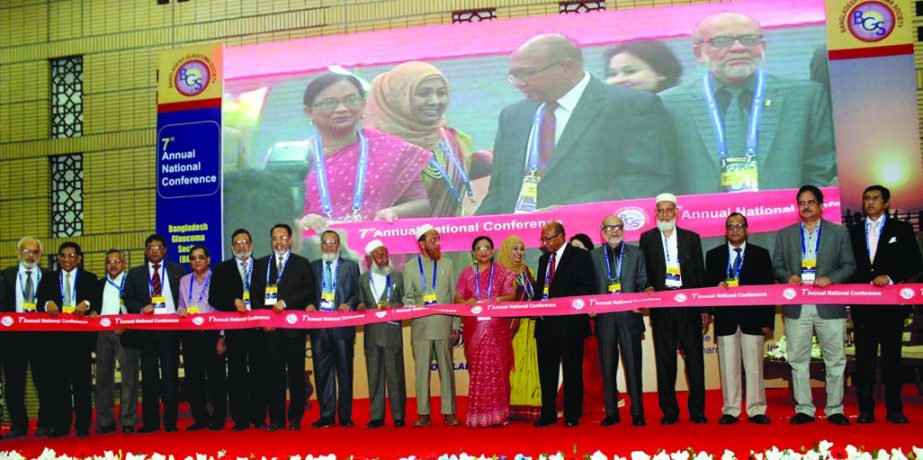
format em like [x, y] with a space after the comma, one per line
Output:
[525, 391]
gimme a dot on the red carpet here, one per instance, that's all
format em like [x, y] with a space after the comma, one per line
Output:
[388, 442]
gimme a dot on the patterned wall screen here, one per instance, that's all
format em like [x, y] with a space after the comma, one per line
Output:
[483, 14]
[67, 97]
[66, 195]
[581, 6]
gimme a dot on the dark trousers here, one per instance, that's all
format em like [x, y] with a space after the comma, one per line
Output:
[683, 327]
[206, 377]
[614, 335]
[246, 368]
[333, 373]
[285, 360]
[871, 330]
[28, 349]
[159, 378]
[554, 351]
[72, 383]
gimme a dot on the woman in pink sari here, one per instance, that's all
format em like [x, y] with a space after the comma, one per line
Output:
[356, 174]
[488, 341]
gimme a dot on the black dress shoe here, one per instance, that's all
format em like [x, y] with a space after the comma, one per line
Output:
[128, 429]
[347, 423]
[323, 423]
[545, 422]
[58, 434]
[42, 431]
[759, 419]
[638, 420]
[399, 423]
[800, 419]
[865, 417]
[377, 423]
[83, 434]
[572, 423]
[700, 419]
[274, 427]
[240, 427]
[215, 426]
[260, 426]
[196, 426]
[727, 419]
[609, 421]
[105, 429]
[17, 434]
[170, 428]
[898, 418]
[838, 419]
[294, 426]
[149, 429]
[668, 419]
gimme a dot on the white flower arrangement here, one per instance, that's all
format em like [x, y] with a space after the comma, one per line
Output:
[777, 350]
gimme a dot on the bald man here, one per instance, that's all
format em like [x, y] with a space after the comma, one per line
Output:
[573, 137]
[775, 133]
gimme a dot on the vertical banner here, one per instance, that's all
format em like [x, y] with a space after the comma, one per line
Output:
[189, 209]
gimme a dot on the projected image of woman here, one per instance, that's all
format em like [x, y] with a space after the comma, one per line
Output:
[410, 101]
[645, 65]
[356, 174]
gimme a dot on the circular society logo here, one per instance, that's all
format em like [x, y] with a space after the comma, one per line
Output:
[7, 321]
[789, 293]
[632, 217]
[870, 21]
[578, 304]
[291, 318]
[198, 320]
[906, 293]
[105, 322]
[192, 77]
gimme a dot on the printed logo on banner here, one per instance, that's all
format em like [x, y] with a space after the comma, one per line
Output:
[632, 217]
[476, 310]
[7, 321]
[578, 304]
[871, 21]
[381, 314]
[198, 320]
[105, 322]
[192, 77]
[291, 318]
[907, 293]
[680, 298]
[789, 293]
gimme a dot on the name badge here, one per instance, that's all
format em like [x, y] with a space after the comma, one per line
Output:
[808, 271]
[272, 294]
[615, 286]
[674, 278]
[326, 301]
[69, 309]
[528, 195]
[29, 307]
[382, 305]
[732, 282]
[739, 175]
[545, 293]
[159, 303]
[246, 299]
[192, 309]
[429, 298]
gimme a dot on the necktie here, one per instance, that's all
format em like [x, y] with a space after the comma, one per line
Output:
[242, 268]
[738, 260]
[67, 289]
[279, 266]
[551, 267]
[547, 129]
[873, 240]
[155, 281]
[30, 287]
[328, 276]
[734, 123]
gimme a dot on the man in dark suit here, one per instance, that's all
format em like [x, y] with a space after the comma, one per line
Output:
[619, 268]
[153, 289]
[381, 288]
[792, 127]
[21, 283]
[740, 330]
[573, 125]
[230, 291]
[673, 259]
[886, 253]
[284, 281]
[71, 290]
[814, 252]
[332, 349]
[563, 271]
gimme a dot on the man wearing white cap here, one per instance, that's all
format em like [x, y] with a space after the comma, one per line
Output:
[381, 288]
[674, 261]
[432, 284]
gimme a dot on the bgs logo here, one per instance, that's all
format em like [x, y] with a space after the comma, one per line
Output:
[632, 217]
[105, 322]
[192, 77]
[906, 293]
[7, 321]
[291, 318]
[381, 313]
[680, 298]
[789, 293]
[198, 320]
[477, 310]
[870, 21]
[578, 304]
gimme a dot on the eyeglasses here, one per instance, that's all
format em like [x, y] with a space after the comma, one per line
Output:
[154, 247]
[522, 76]
[612, 228]
[280, 238]
[665, 211]
[29, 252]
[483, 249]
[114, 261]
[807, 203]
[241, 242]
[546, 239]
[872, 198]
[727, 41]
[68, 256]
[201, 257]
[735, 226]
[331, 242]
[329, 105]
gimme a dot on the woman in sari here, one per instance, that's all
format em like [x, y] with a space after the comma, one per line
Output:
[409, 102]
[526, 393]
[488, 341]
[356, 174]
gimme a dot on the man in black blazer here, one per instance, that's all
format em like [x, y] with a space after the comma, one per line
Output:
[230, 291]
[563, 271]
[740, 330]
[71, 290]
[332, 349]
[674, 261]
[592, 131]
[284, 281]
[619, 268]
[153, 289]
[885, 253]
[21, 283]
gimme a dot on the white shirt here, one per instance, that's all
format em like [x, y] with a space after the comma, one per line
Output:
[732, 253]
[70, 280]
[671, 257]
[274, 260]
[242, 267]
[567, 104]
[377, 284]
[165, 290]
[21, 284]
[112, 302]
[333, 272]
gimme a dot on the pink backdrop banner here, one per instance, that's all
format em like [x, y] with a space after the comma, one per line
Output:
[766, 211]
[741, 296]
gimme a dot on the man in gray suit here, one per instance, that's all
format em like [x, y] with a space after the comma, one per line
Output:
[814, 252]
[432, 284]
[741, 130]
[573, 125]
[619, 268]
[382, 288]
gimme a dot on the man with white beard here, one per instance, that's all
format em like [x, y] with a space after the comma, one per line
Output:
[230, 291]
[382, 288]
[332, 349]
[674, 261]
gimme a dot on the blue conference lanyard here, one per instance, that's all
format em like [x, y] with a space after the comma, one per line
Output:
[449, 153]
[202, 292]
[881, 228]
[387, 285]
[477, 282]
[38, 277]
[731, 270]
[73, 288]
[333, 282]
[523, 278]
[753, 123]
[281, 269]
[321, 173]
[532, 151]
[804, 246]
[618, 267]
[250, 273]
[422, 277]
[666, 248]
[150, 279]
[120, 286]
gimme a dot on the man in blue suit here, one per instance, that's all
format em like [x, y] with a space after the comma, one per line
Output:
[332, 348]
